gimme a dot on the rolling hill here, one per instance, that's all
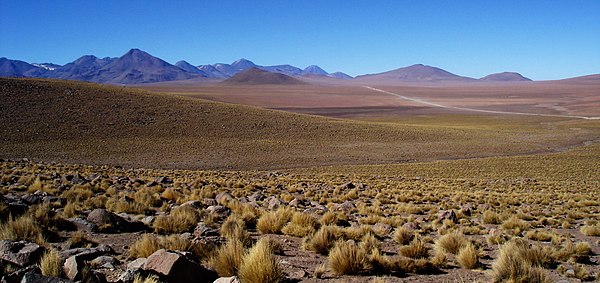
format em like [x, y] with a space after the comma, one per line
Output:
[77, 122]
[414, 73]
[256, 76]
[506, 77]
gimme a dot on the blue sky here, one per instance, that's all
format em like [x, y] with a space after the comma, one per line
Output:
[540, 39]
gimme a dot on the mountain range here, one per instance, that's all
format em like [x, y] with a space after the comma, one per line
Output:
[137, 66]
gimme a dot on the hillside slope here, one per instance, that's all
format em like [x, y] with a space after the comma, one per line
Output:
[88, 123]
[256, 76]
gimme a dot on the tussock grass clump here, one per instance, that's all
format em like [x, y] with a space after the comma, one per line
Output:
[150, 279]
[416, 249]
[332, 218]
[181, 219]
[346, 257]
[51, 264]
[514, 265]
[234, 229]
[403, 235]
[259, 265]
[538, 235]
[22, 228]
[515, 223]
[451, 242]
[323, 240]
[591, 230]
[272, 222]
[583, 248]
[302, 224]
[227, 259]
[490, 217]
[80, 240]
[145, 246]
[468, 256]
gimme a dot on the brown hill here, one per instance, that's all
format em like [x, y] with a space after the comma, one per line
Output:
[256, 76]
[506, 77]
[414, 73]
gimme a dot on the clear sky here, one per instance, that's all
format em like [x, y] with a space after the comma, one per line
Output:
[540, 39]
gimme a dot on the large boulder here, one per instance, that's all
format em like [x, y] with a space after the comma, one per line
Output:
[110, 222]
[177, 267]
[33, 277]
[21, 253]
[219, 211]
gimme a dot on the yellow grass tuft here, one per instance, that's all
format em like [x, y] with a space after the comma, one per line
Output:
[272, 222]
[228, 258]
[260, 265]
[403, 235]
[181, 219]
[51, 264]
[512, 266]
[468, 256]
[346, 257]
[22, 228]
[416, 249]
[322, 240]
[451, 242]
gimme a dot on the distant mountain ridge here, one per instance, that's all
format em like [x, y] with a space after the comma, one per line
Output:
[257, 76]
[137, 66]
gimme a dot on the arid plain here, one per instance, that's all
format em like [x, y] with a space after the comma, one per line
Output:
[429, 182]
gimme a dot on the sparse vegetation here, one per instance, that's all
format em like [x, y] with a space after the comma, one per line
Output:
[259, 265]
[51, 264]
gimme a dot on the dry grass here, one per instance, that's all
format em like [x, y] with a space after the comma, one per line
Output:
[346, 257]
[451, 242]
[416, 249]
[513, 266]
[234, 228]
[272, 222]
[302, 225]
[22, 228]
[260, 265]
[468, 257]
[323, 240]
[403, 235]
[181, 219]
[145, 246]
[591, 230]
[51, 264]
[228, 258]
[80, 240]
[150, 279]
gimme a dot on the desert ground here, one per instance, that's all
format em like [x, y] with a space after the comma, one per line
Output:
[320, 182]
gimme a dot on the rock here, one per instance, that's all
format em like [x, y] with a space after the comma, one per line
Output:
[448, 214]
[104, 262]
[202, 230]
[137, 263]
[164, 180]
[16, 276]
[223, 197]
[298, 275]
[209, 202]
[21, 253]
[296, 203]
[14, 206]
[88, 253]
[53, 199]
[570, 272]
[35, 198]
[232, 279]
[467, 209]
[193, 203]
[33, 277]
[348, 185]
[110, 222]
[148, 220]
[411, 226]
[176, 267]
[82, 224]
[384, 228]
[73, 267]
[346, 207]
[256, 196]
[103, 217]
[219, 211]
[273, 203]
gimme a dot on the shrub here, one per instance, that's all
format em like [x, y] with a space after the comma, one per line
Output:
[181, 219]
[322, 241]
[228, 258]
[260, 265]
[22, 228]
[234, 229]
[591, 230]
[416, 249]
[302, 224]
[145, 246]
[51, 264]
[347, 258]
[468, 256]
[490, 217]
[512, 266]
[272, 222]
[451, 242]
[403, 235]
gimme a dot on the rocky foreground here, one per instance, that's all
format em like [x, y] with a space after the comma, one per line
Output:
[69, 223]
